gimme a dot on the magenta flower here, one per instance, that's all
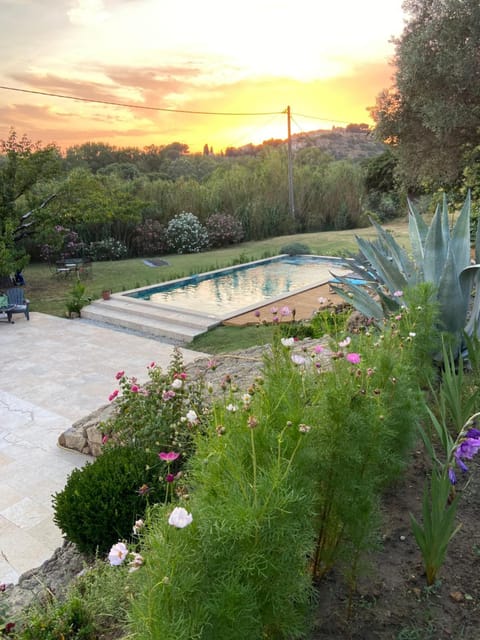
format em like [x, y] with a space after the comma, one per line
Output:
[318, 348]
[119, 374]
[169, 477]
[134, 388]
[168, 457]
[104, 439]
[113, 395]
[353, 358]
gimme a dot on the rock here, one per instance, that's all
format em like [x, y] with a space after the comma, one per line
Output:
[52, 578]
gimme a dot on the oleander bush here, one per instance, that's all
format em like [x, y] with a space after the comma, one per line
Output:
[108, 249]
[186, 234]
[223, 229]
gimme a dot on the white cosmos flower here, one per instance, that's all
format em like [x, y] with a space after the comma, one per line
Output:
[192, 416]
[177, 384]
[345, 343]
[180, 518]
[288, 342]
[117, 554]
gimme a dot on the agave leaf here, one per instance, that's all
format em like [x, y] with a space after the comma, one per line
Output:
[387, 270]
[398, 254]
[473, 323]
[436, 247]
[452, 297]
[359, 298]
[417, 231]
[460, 239]
[477, 243]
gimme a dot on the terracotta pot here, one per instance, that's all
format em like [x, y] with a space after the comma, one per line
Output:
[106, 294]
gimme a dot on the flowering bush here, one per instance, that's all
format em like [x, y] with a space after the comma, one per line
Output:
[165, 413]
[149, 239]
[223, 229]
[108, 249]
[186, 234]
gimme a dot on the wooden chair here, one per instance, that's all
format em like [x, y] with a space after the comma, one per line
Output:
[16, 297]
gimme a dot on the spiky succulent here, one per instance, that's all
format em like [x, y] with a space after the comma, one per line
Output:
[438, 254]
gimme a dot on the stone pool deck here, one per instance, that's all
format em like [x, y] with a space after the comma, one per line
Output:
[305, 304]
[54, 372]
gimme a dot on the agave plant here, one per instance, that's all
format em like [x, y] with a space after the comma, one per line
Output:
[439, 255]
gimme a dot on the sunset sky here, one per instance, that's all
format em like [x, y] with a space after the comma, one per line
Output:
[327, 60]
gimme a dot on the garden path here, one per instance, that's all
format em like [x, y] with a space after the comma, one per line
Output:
[54, 372]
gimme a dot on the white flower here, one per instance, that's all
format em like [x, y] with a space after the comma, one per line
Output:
[180, 518]
[345, 343]
[231, 407]
[117, 554]
[177, 384]
[136, 562]
[138, 526]
[296, 359]
[192, 416]
[246, 398]
[412, 334]
[288, 342]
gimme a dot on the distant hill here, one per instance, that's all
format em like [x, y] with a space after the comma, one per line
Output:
[352, 143]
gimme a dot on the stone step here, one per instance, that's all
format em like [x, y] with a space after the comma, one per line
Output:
[144, 323]
[146, 309]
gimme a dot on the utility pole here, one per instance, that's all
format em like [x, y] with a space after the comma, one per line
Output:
[291, 200]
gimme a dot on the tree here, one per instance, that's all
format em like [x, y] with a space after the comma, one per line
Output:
[23, 164]
[431, 115]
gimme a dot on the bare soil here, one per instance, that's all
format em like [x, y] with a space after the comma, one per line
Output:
[392, 600]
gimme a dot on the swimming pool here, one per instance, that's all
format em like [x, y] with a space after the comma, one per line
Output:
[226, 292]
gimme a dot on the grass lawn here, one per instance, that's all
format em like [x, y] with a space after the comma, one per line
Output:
[48, 292]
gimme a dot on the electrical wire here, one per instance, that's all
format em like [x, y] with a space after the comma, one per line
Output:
[137, 106]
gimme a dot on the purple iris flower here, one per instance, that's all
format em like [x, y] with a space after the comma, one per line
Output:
[467, 448]
[451, 476]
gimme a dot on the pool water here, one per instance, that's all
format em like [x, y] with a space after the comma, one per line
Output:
[226, 291]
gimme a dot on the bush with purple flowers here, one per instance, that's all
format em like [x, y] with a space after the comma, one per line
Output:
[223, 229]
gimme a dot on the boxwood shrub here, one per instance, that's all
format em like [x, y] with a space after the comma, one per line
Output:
[101, 501]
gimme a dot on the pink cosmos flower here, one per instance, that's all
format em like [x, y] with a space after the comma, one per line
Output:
[134, 388]
[152, 365]
[104, 439]
[113, 395]
[274, 310]
[354, 358]
[119, 374]
[296, 359]
[285, 311]
[168, 395]
[168, 457]
[169, 477]
[318, 348]
[398, 294]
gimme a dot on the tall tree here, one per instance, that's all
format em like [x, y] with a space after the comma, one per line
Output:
[431, 115]
[22, 165]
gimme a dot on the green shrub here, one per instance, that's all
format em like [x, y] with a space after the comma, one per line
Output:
[101, 501]
[186, 234]
[295, 249]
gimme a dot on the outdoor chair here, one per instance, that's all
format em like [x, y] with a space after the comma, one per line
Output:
[16, 297]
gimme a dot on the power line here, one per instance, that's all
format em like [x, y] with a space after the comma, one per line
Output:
[137, 106]
[302, 115]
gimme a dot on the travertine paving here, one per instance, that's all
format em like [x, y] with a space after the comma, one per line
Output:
[54, 371]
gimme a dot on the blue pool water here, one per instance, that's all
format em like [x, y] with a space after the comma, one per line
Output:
[226, 291]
